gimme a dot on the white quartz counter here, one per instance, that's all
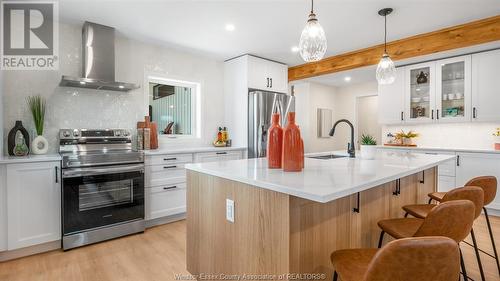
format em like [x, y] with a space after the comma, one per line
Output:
[323, 180]
[450, 149]
[29, 159]
[175, 150]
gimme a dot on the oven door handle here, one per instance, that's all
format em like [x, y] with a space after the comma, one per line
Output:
[81, 172]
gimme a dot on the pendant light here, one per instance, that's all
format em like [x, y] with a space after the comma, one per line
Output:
[386, 71]
[312, 45]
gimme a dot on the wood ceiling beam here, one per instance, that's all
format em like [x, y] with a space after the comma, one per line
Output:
[459, 36]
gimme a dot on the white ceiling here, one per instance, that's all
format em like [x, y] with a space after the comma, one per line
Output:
[269, 28]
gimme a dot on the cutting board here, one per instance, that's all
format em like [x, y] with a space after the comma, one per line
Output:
[401, 145]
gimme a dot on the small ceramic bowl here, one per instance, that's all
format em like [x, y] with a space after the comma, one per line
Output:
[415, 99]
[451, 96]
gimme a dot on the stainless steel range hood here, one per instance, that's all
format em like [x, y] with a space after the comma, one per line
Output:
[98, 49]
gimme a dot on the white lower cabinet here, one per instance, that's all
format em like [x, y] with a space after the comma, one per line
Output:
[3, 209]
[446, 183]
[33, 204]
[165, 180]
[472, 165]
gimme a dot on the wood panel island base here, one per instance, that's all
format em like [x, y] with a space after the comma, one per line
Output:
[284, 234]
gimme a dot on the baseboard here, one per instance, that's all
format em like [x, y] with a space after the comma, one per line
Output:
[493, 209]
[165, 220]
[28, 251]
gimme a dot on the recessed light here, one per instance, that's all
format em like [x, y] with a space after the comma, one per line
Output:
[121, 87]
[347, 78]
[230, 27]
[82, 82]
[295, 49]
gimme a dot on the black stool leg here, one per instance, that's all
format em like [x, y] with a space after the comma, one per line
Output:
[430, 200]
[492, 238]
[335, 276]
[381, 239]
[462, 265]
[476, 249]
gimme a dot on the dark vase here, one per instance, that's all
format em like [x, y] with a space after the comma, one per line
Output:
[11, 140]
[422, 78]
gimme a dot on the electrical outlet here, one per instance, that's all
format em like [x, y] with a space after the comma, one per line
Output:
[230, 210]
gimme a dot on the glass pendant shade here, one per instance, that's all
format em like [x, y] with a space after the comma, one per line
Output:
[386, 71]
[312, 43]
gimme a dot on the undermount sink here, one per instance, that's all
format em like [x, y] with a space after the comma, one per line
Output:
[326, 157]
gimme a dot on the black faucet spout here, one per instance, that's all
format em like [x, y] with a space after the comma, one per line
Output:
[350, 146]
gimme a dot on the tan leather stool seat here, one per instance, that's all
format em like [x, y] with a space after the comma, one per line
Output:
[401, 228]
[419, 210]
[352, 264]
[438, 196]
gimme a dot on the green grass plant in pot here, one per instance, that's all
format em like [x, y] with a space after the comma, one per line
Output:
[368, 147]
[37, 106]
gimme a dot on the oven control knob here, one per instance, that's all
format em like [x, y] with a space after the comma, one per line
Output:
[126, 133]
[66, 134]
[118, 133]
[76, 133]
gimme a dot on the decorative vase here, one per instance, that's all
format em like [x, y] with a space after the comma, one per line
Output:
[11, 139]
[275, 143]
[422, 78]
[40, 145]
[407, 141]
[292, 146]
[368, 151]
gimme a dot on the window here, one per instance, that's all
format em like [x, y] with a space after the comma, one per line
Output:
[174, 106]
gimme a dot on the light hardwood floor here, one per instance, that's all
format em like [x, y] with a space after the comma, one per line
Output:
[159, 254]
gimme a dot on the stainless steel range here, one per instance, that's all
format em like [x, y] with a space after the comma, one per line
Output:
[102, 186]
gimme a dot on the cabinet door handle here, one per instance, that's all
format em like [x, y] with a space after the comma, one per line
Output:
[437, 114]
[356, 209]
[398, 188]
[458, 160]
[402, 116]
[169, 167]
[219, 153]
[170, 187]
[267, 82]
[423, 177]
[271, 79]
[169, 159]
[432, 114]
[474, 115]
[56, 170]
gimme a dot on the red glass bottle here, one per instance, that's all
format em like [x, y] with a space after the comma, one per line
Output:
[292, 146]
[275, 143]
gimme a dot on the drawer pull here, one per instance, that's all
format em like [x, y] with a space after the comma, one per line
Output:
[169, 159]
[170, 187]
[219, 153]
[169, 167]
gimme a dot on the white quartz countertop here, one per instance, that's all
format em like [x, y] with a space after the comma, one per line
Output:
[451, 149]
[323, 180]
[29, 159]
[175, 150]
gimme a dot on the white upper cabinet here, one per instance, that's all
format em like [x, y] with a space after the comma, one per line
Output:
[485, 89]
[391, 100]
[267, 75]
[453, 89]
[420, 92]
[33, 204]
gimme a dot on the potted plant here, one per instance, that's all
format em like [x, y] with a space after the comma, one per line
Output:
[497, 139]
[368, 147]
[406, 138]
[36, 105]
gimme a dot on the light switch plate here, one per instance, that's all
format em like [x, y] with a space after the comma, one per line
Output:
[230, 210]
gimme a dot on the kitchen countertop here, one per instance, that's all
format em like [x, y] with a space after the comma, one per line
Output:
[323, 180]
[174, 150]
[29, 159]
[472, 150]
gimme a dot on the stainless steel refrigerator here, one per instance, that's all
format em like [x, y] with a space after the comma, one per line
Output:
[261, 105]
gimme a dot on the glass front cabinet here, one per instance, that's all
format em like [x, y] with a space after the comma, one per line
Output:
[438, 91]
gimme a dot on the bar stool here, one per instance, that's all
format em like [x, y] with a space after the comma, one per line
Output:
[489, 186]
[415, 259]
[472, 193]
[452, 219]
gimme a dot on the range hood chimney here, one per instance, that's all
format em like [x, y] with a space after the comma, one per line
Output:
[98, 67]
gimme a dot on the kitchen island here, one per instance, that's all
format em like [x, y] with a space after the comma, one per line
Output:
[290, 223]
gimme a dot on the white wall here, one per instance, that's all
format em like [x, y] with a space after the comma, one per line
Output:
[82, 108]
[366, 121]
[345, 108]
[309, 97]
[459, 135]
